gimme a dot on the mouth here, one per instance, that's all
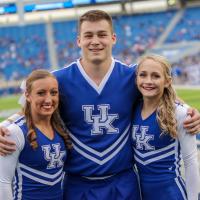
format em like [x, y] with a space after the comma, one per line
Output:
[47, 107]
[95, 50]
[148, 88]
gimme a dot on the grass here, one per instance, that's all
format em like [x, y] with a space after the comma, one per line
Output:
[191, 97]
[10, 102]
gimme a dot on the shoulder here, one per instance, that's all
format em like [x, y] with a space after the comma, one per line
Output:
[59, 73]
[181, 115]
[130, 69]
[16, 135]
[181, 111]
[66, 74]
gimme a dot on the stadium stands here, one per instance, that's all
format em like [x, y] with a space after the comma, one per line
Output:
[187, 28]
[65, 34]
[136, 33]
[22, 49]
[27, 47]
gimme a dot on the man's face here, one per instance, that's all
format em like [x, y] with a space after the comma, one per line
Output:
[96, 40]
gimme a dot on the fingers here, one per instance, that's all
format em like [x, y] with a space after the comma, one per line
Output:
[193, 128]
[6, 146]
[6, 149]
[4, 131]
[192, 122]
[4, 140]
[190, 111]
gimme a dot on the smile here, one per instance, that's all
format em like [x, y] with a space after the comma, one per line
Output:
[96, 50]
[47, 106]
[148, 88]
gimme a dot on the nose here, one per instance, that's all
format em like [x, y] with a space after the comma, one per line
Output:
[148, 80]
[95, 40]
[48, 98]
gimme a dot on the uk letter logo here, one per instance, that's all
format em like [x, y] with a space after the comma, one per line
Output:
[55, 158]
[142, 139]
[101, 121]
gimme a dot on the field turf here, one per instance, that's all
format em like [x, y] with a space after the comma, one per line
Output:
[190, 96]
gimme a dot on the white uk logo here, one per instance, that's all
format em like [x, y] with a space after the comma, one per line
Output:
[100, 122]
[142, 139]
[55, 158]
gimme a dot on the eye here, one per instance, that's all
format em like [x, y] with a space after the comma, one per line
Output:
[102, 35]
[41, 93]
[88, 36]
[141, 75]
[156, 76]
[54, 92]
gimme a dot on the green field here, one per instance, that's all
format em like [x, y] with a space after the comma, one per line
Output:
[191, 97]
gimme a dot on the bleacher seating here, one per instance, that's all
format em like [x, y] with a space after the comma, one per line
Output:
[187, 28]
[22, 49]
[65, 34]
[135, 33]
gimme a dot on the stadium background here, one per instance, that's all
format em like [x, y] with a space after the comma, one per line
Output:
[42, 34]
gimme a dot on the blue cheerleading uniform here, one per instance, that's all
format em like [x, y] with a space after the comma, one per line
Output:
[33, 174]
[99, 121]
[158, 155]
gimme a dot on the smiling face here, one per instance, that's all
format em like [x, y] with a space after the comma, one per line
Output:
[96, 40]
[151, 79]
[43, 97]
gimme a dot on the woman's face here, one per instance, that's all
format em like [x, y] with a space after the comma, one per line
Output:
[44, 97]
[150, 79]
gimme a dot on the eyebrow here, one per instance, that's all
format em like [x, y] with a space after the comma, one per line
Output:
[90, 32]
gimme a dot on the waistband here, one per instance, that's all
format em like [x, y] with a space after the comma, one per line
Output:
[106, 177]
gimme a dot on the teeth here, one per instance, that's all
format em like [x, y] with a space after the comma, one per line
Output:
[47, 106]
[149, 88]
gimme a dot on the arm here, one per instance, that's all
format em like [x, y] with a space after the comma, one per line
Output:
[7, 146]
[192, 124]
[189, 154]
[8, 163]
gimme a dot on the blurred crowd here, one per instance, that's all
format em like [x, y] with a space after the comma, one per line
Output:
[25, 48]
[187, 70]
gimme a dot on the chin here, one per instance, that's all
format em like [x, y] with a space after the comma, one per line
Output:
[97, 61]
[149, 95]
[47, 113]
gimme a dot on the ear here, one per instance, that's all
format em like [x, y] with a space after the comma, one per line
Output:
[78, 41]
[27, 97]
[114, 38]
[168, 82]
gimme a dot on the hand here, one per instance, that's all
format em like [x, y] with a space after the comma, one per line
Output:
[192, 124]
[6, 146]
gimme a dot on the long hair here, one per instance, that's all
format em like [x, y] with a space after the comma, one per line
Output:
[165, 112]
[56, 120]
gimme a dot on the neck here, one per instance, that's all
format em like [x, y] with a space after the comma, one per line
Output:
[149, 106]
[45, 126]
[42, 122]
[96, 71]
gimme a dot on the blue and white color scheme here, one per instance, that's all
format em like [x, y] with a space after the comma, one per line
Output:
[34, 174]
[98, 117]
[158, 157]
